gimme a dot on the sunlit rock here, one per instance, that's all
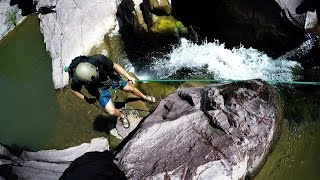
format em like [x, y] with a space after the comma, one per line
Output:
[46, 164]
[214, 132]
[161, 5]
[150, 18]
[9, 17]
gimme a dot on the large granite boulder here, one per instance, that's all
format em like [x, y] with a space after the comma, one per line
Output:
[221, 131]
[74, 29]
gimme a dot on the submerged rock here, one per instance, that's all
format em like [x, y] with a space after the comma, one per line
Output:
[220, 131]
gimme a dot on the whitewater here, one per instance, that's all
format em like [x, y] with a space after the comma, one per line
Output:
[238, 63]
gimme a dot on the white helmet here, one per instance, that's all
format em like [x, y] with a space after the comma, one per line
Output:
[87, 72]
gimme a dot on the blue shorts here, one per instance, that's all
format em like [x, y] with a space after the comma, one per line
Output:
[105, 93]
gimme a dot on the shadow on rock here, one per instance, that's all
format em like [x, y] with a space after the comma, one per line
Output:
[93, 165]
[104, 123]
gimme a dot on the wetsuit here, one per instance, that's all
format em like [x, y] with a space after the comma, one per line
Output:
[108, 80]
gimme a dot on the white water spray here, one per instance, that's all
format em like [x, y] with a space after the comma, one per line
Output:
[237, 64]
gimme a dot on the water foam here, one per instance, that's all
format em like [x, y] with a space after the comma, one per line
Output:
[238, 63]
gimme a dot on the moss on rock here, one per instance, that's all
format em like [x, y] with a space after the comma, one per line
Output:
[167, 25]
[181, 27]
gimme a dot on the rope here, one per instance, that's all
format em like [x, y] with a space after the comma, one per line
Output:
[201, 80]
[223, 81]
[124, 109]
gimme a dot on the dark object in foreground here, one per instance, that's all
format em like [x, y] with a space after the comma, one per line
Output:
[93, 165]
[27, 6]
[46, 10]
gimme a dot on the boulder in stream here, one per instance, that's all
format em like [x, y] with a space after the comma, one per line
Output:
[222, 131]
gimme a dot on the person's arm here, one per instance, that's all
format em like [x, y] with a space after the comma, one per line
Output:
[123, 72]
[78, 94]
[76, 90]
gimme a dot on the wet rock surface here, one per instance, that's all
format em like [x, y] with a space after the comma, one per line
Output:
[218, 131]
[262, 25]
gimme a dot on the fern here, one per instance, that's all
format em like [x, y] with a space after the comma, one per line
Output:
[11, 17]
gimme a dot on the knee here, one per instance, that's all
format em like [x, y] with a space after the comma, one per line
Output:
[111, 111]
[131, 89]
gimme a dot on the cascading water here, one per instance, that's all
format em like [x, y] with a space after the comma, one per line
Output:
[311, 42]
[238, 63]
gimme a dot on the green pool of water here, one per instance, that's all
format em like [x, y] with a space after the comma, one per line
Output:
[297, 153]
[28, 105]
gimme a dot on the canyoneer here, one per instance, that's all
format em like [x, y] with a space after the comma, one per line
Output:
[100, 76]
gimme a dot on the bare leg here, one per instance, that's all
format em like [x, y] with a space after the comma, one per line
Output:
[112, 110]
[115, 112]
[134, 91]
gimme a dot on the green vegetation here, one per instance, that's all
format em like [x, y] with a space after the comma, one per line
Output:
[164, 25]
[181, 27]
[11, 17]
[168, 25]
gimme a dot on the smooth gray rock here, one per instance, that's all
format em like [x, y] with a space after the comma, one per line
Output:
[221, 131]
[306, 20]
[48, 164]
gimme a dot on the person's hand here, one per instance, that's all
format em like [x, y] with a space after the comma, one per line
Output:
[131, 80]
[90, 100]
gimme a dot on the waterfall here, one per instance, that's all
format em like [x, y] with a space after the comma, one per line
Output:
[311, 42]
[238, 63]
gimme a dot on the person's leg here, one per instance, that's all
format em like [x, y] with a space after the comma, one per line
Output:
[137, 92]
[106, 102]
[108, 105]
[112, 110]
[134, 91]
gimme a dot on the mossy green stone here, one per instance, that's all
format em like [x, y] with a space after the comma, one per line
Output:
[181, 27]
[168, 25]
[165, 26]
